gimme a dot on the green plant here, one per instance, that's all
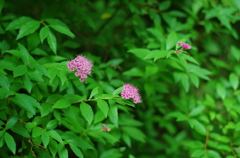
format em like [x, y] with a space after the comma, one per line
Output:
[189, 97]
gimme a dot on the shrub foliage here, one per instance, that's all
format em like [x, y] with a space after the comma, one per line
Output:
[190, 97]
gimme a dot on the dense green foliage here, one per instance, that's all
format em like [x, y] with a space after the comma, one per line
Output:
[190, 100]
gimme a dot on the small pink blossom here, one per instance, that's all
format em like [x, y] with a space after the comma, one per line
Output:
[179, 43]
[105, 128]
[184, 45]
[82, 65]
[130, 91]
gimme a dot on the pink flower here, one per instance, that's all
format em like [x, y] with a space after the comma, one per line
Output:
[82, 65]
[105, 128]
[179, 43]
[184, 45]
[130, 91]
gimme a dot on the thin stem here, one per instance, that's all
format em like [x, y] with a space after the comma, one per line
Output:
[96, 99]
[233, 152]
[44, 23]
[206, 142]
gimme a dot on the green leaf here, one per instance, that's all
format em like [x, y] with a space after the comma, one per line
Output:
[55, 135]
[134, 133]
[1, 140]
[221, 91]
[182, 62]
[11, 122]
[44, 32]
[63, 152]
[189, 58]
[27, 83]
[218, 63]
[1, 5]
[60, 27]
[52, 124]
[38, 51]
[224, 21]
[16, 24]
[4, 83]
[98, 117]
[35, 76]
[52, 73]
[87, 112]
[19, 70]
[24, 55]
[212, 153]
[76, 150]
[200, 72]
[20, 129]
[54, 98]
[36, 132]
[228, 103]
[76, 141]
[196, 111]
[109, 137]
[27, 102]
[46, 109]
[32, 42]
[94, 92]
[198, 126]
[134, 72]
[41, 69]
[63, 30]
[30, 125]
[126, 102]
[118, 91]
[52, 42]
[198, 152]
[11, 144]
[45, 138]
[194, 79]
[53, 147]
[185, 82]
[63, 76]
[28, 28]
[171, 40]
[237, 127]
[111, 153]
[8, 65]
[235, 52]
[1, 133]
[175, 63]
[32, 101]
[157, 54]
[164, 5]
[103, 106]
[127, 139]
[113, 114]
[140, 53]
[61, 103]
[151, 69]
[219, 137]
[234, 81]
[73, 97]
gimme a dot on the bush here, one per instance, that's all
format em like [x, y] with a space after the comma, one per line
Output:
[115, 79]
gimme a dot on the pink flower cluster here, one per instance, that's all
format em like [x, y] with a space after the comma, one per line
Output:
[82, 65]
[130, 91]
[184, 45]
